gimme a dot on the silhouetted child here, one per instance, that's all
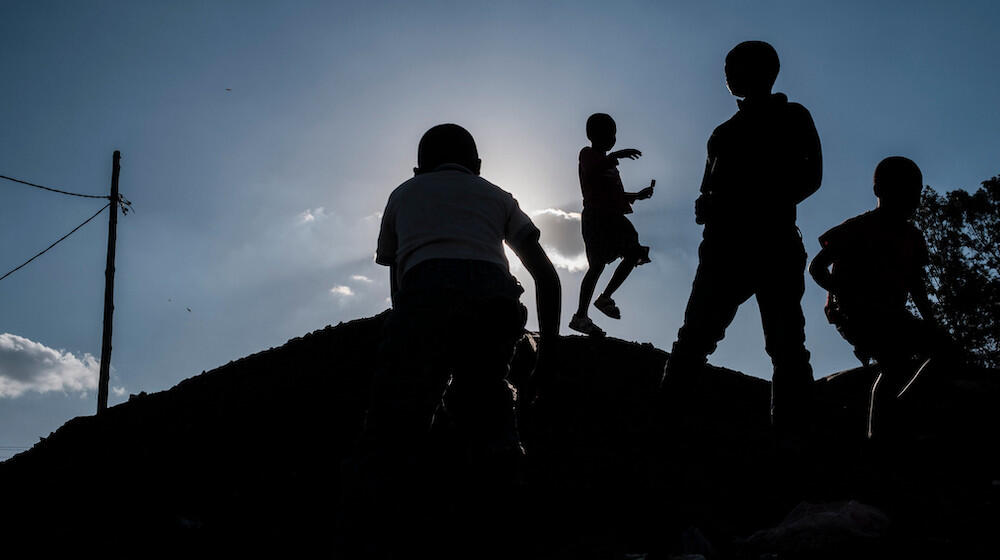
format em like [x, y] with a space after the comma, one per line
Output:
[607, 233]
[448, 342]
[761, 163]
[878, 261]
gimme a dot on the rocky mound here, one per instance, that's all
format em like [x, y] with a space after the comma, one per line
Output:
[255, 447]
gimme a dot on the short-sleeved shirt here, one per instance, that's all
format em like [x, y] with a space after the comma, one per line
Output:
[761, 163]
[601, 183]
[875, 260]
[450, 213]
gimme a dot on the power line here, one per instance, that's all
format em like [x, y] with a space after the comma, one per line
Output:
[53, 190]
[57, 241]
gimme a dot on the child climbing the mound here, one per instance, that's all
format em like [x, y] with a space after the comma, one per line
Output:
[877, 261]
[607, 233]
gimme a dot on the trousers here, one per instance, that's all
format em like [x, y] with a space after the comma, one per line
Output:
[729, 273]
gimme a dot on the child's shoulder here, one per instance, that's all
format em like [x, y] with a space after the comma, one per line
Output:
[593, 159]
[864, 220]
[851, 229]
[795, 107]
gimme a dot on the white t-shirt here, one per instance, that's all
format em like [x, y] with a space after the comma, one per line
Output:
[450, 213]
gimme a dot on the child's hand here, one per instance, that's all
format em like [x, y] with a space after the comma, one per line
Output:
[630, 153]
[648, 191]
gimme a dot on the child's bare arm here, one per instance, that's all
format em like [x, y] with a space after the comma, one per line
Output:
[547, 287]
[627, 153]
[819, 269]
[642, 194]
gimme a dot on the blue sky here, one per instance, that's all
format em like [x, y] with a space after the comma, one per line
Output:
[257, 207]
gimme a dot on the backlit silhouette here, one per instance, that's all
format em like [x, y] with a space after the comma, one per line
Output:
[447, 345]
[607, 233]
[761, 163]
[878, 261]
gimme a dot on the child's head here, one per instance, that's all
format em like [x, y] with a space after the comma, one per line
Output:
[601, 130]
[751, 68]
[447, 143]
[898, 183]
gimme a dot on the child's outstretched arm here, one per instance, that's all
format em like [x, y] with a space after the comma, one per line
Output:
[627, 153]
[643, 194]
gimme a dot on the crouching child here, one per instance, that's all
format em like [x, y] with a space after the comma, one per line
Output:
[870, 265]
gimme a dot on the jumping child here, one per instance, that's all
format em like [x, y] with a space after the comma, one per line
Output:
[607, 233]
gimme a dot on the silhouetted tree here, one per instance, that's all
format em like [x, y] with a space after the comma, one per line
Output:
[963, 235]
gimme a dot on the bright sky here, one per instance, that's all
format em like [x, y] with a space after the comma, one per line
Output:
[256, 208]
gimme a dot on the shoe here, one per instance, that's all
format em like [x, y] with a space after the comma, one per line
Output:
[644, 257]
[607, 306]
[586, 326]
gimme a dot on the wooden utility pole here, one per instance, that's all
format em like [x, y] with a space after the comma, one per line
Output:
[109, 290]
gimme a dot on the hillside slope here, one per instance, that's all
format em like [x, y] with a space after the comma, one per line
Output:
[255, 448]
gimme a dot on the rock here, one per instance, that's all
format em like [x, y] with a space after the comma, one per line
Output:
[824, 530]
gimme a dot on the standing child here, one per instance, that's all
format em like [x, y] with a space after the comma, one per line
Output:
[877, 262]
[761, 164]
[607, 233]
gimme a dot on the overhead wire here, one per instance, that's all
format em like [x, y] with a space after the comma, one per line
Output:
[60, 191]
[57, 241]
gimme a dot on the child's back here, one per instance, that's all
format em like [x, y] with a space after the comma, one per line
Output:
[872, 263]
[450, 214]
[762, 162]
[876, 260]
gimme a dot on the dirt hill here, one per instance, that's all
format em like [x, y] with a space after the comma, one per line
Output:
[255, 447]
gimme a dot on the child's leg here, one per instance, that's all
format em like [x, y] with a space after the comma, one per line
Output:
[621, 273]
[587, 287]
[716, 294]
[779, 296]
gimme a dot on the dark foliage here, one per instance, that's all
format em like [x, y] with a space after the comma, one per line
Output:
[963, 234]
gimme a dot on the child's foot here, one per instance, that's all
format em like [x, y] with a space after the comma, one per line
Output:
[644, 257]
[606, 305]
[583, 324]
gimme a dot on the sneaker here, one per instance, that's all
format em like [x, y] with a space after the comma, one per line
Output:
[586, 326]
[644, 257]
[607, 306]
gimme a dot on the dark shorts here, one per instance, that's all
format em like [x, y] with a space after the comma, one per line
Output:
[609, 236]
[885, 335]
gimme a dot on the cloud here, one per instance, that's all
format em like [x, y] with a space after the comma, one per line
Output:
[361, 278]
[576, 263]
[118, 391]
[312, 215]
[561, 238]
[26, 365]
[342, 291]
